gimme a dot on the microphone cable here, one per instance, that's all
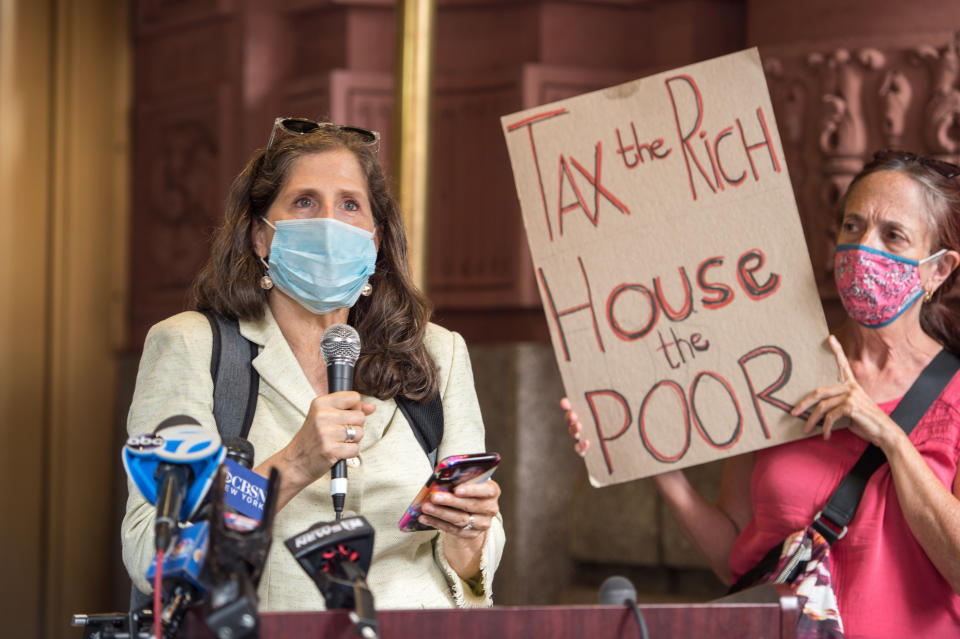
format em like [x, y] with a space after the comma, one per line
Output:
[641, 622]
[157, 599]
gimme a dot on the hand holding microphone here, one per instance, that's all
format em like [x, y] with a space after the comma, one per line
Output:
[333, 428]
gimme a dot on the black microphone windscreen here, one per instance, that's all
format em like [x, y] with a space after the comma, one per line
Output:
[616, 591]
[355, 532]
[239, 450]
[335, 555]
[176, 420]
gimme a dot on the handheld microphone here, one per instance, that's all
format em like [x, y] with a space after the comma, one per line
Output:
[340, 347]
[173, 469]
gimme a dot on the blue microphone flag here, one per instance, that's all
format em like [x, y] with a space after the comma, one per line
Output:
[186, 443]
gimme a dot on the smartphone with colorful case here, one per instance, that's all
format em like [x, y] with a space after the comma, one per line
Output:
[449, 473]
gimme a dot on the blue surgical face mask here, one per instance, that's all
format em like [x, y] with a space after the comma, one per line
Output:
[320, 262]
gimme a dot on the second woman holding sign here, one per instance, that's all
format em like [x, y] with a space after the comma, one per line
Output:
[895, 572]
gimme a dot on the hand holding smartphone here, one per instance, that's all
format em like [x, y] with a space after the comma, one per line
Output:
[449, 473]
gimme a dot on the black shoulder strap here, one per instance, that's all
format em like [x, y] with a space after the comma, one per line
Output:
[842, 505]
[235, 380]
[426, 420]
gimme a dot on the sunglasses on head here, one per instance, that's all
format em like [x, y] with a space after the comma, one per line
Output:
[946, 169]
[285, 127]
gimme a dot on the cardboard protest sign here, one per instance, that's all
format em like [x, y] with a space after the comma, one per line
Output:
[672, 266]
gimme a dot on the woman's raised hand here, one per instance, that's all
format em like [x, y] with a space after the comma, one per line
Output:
[847, 399]
[331, 432]
[575, 428]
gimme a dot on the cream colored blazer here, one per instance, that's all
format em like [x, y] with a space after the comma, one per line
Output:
[408, 569]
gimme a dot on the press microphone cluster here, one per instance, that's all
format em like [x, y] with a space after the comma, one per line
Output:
[243, 502]
[213, 529]
[214, 548]
[340, 347]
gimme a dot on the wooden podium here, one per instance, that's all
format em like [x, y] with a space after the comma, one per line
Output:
[767, 612]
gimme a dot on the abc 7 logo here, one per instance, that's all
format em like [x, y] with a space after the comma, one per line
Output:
[187, 443]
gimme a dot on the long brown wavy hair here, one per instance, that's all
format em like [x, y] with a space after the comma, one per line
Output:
[939, 318]
[391, 322]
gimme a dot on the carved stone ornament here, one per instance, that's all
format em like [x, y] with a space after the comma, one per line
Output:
[843, 132]
[895, 96]
[941, 125]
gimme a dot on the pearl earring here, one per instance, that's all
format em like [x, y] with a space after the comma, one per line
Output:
[367, 289]
[266, 282]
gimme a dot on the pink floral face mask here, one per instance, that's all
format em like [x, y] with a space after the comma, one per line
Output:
[875, 286]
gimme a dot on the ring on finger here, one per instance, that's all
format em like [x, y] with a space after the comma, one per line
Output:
[351, 434]
[469, 525]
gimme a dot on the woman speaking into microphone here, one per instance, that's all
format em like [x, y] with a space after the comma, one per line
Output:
[312, 238]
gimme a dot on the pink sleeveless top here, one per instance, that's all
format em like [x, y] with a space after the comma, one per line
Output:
[885, 585]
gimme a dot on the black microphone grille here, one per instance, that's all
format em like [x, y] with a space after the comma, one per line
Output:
[176, 420]
[340, 343]
[239, 450]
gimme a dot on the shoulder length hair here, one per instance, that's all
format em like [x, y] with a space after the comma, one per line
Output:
[391, 322]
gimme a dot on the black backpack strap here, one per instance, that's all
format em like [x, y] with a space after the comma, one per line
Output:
[426, 420]
[842, 506]
[235, 380]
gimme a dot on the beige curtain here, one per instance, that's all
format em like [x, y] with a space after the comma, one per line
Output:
[64, 164]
